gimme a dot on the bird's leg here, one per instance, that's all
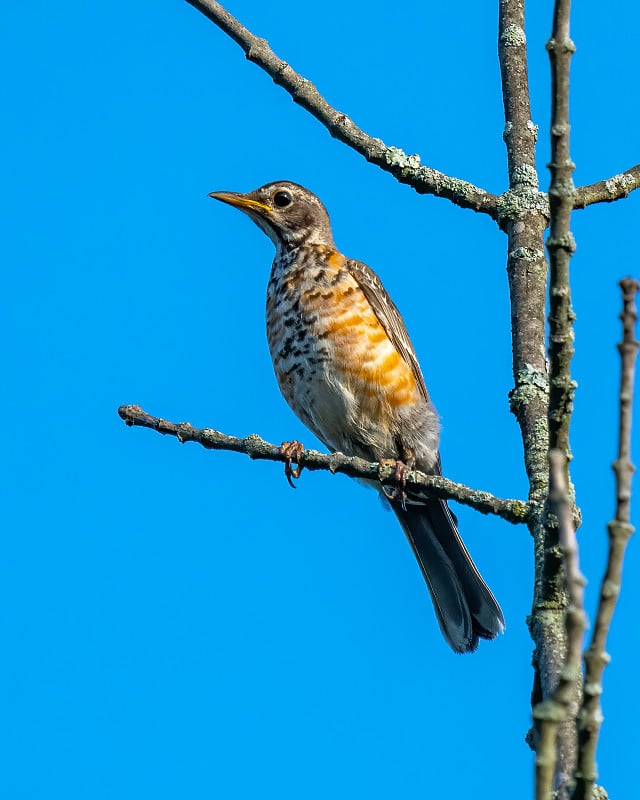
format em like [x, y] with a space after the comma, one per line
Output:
[401, 470]
[401, 476]
[292, 451]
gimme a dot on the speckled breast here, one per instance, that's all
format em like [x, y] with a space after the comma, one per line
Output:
[335, 364]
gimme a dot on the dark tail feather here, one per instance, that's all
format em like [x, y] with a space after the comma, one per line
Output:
[463, 603]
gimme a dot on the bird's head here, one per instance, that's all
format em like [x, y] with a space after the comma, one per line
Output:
[288, 213]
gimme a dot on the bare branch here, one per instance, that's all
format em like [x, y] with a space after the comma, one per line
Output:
[560, 243]
[552, 590]
[418, 483]
[563, 705]
[619, 530]
[520, 133]
[525, 220]
[523, 215]
[405, 168]
[607, 191]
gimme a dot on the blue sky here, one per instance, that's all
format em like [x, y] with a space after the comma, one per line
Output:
[179, 623]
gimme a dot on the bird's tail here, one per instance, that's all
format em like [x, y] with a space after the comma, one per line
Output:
[465, 608]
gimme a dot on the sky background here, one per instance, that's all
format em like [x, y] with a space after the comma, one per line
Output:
[180, 623]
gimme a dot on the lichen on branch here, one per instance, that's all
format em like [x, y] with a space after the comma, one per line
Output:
[417, 483]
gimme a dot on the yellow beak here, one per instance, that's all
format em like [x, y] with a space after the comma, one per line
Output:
[240, 201]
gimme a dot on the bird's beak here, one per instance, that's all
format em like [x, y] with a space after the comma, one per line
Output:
[240, 201]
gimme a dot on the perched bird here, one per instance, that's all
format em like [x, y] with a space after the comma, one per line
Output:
[346, 367]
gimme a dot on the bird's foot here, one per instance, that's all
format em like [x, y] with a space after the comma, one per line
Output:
[401, 470]
[292, 451]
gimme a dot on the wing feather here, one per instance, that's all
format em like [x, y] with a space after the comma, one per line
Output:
[388, 316]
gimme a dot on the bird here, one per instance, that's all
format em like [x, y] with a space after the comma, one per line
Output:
[346, 366]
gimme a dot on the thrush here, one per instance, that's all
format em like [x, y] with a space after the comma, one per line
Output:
[346, 367]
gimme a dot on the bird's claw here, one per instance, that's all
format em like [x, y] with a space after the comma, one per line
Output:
[401, 470]
[292, 451]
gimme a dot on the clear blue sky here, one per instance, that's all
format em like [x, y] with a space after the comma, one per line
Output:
[178, 623]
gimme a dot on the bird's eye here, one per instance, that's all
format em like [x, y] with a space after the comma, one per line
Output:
[282, 199]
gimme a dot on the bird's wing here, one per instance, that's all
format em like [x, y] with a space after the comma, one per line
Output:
[388, 316]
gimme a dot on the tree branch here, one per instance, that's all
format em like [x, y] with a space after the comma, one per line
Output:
[405, 168]
[554, 589]
[562, 707]
[520, 133]
[560, 243]
[523, 216]
[417, 483]
[614, 188]
[619, 530]
[525, 220]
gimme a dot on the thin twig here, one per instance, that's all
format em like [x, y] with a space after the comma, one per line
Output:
[619, 530]
[417, 482]
[560, 246]
[614, 188]
[405, 168]
[563, 705]
[560, 243]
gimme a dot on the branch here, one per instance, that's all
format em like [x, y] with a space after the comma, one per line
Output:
[523, 216]
[619, 529]
[514, 511]
[563, 705]
[520, 133]
[614, 188]
[560, 243]
[405, 168]
[525, 224]
[555, 588]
